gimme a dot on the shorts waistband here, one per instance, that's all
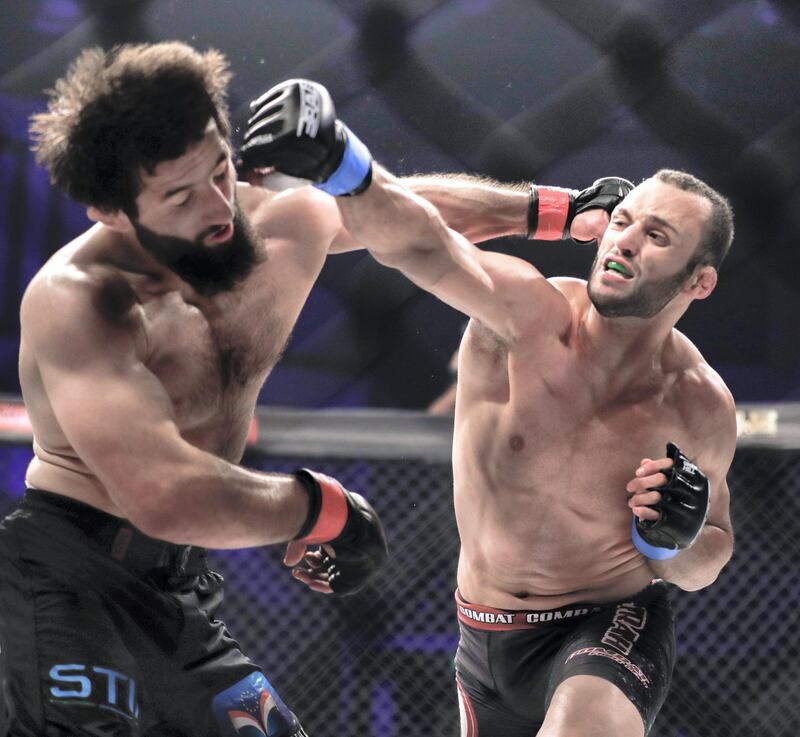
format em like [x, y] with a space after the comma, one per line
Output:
[504, 620]
[118, 538]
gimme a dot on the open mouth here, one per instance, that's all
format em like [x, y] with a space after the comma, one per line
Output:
[618, 267]
[220, 233]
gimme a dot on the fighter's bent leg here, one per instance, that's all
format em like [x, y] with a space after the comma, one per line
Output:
[591, 707]
[612, 675]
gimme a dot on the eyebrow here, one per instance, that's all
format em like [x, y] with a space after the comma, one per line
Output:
[652, 219]
[171, 192]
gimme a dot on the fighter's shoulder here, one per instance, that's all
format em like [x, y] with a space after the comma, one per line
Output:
[693, 371]
[294, 210]
[70, 298]
[701, 393]
[572, 288]
[544, 308]
[568, 294]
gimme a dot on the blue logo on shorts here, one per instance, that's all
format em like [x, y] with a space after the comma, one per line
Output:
[252, 708]
[102, 687]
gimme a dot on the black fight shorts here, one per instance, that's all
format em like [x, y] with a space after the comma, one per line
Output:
[109, 633]
[509, 663]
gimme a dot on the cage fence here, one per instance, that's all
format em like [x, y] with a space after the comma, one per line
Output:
[380, 663]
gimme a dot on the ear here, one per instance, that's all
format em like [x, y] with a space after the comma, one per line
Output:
[114, 219]
[702, 282]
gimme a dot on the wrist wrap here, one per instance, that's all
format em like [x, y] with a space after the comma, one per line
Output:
[549, 213]
[327, 507]
[354, 173]
[646, 549]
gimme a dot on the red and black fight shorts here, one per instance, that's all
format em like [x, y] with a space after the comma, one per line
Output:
[110, 633]
[510, 662]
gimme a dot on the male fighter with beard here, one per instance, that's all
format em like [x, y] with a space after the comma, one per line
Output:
[145, 342]
[572, 517]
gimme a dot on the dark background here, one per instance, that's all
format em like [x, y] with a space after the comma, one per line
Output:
[555, 91]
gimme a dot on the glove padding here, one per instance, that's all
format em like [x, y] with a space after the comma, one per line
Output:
[551, 210]
[685, 500]
[346, 522]
[294, 129]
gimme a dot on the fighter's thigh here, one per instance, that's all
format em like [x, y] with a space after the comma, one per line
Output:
[65, 669]
[591, 707]
[483, 715]
[623, 652]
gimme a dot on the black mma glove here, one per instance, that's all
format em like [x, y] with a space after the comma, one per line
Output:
[294, 129]
[551, 210]
[685, 500]
[348, 523]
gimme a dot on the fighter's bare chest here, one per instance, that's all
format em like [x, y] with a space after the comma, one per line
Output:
[553, 418]
[573, 437]
[210, 358]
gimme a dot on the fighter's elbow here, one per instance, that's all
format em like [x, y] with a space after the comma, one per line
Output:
[701, 577]
[697, 582]
[152, 505]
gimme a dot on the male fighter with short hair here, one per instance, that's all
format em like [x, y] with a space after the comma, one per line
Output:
[572, 517]
[145, 342]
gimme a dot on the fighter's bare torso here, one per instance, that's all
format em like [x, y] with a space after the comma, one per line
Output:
[211, 355]
[545, 444]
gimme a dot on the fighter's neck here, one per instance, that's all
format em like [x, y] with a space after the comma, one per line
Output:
[628, 348]
[124, 252]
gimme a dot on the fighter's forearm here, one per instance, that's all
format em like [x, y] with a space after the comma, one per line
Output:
[477, 207]
[406, 232]
[209, 502]
[700, 565]
[403, 231]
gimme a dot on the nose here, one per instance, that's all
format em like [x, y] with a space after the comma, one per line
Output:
[628, 241]
[218, 206]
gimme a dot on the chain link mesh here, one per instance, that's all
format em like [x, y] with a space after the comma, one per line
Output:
[380, 663]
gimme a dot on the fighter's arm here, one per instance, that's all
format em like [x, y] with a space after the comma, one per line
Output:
[405, 232]
[89, 348]
[86, 336]
[295, 130]
[715, 443]
[700, 565]
[481, 208]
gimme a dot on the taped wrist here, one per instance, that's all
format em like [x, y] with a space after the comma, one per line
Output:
[327, 507]
[550, 213]
[354, 172]
[646, 549]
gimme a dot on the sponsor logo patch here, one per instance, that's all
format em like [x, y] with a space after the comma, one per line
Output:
[617, 658]
[77, 683]
[310, 105]
[628, 623]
